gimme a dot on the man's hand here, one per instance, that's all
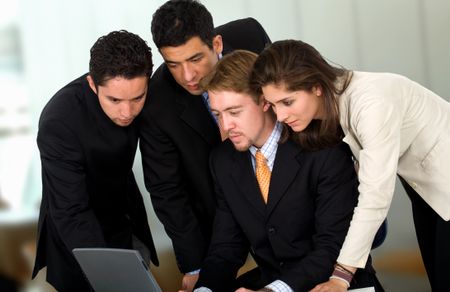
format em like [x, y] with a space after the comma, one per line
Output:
[188, 282]
[333, 285]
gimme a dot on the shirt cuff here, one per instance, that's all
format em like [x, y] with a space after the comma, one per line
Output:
[279, 286]
[276, 286]
[202, 289]
[196, 272]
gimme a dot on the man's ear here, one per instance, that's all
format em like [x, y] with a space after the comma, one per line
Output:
[266, 105]
[217, 44]
[91, 83]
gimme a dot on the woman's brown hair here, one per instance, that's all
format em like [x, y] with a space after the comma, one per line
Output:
[298, 66]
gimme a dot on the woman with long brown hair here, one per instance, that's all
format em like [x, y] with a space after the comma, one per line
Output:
[393, 126]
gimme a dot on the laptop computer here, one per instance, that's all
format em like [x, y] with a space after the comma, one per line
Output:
[115, 270]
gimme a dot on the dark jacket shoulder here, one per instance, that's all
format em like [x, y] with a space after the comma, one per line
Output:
[246, 34]
[67, 102]
[163, 89]
[336, 153]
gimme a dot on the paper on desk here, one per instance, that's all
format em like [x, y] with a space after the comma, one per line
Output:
[367, 289]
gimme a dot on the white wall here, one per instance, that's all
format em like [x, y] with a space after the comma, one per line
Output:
[404, 36]
[409, 37]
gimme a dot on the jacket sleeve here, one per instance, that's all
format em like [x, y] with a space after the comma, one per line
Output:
[229, 247]
[376, 123]
[164, 179]
[64, 185]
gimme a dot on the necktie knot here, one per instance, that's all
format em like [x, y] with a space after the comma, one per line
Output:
[263, 174]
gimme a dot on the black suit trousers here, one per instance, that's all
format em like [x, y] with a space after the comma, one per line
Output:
[433, 235]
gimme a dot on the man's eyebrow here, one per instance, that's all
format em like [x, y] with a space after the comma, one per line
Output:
[233, 107]
[227, 109]
[118, 98]
[197, 55]
[140, 95]
[113, 97]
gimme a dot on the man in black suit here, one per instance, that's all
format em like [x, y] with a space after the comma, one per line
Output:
[178, 131]
[296, 224]
[87, 141]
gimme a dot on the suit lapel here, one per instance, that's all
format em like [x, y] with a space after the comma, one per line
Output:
[195, 114]
[284, 172]
[245, 180]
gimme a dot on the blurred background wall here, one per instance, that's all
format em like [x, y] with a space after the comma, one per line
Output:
[45, 44]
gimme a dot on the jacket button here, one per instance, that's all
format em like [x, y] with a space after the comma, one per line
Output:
[272, 231]
[281, 264]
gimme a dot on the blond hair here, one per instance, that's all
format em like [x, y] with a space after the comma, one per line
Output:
[232, 73]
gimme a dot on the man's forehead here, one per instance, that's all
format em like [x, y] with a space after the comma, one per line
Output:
[227, 100]
[185, 51]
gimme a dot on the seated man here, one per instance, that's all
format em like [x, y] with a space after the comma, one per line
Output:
[291, 208]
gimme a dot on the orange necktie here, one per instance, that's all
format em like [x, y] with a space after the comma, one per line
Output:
[262, 172]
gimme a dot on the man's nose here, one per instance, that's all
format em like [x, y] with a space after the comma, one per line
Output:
[126, 110]
[226, 123]
[188, 72]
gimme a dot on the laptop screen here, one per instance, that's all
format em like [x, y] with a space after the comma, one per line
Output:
[115, 270]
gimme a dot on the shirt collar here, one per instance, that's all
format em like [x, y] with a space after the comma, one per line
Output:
[269, 149]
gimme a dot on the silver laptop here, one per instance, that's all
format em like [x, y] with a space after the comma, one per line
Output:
[115, 270]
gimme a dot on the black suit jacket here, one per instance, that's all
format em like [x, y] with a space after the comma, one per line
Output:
[89, 194]
[297, 236]
[177, 136]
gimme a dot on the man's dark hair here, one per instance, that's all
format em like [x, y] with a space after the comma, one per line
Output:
[119, 53]
[177, 21]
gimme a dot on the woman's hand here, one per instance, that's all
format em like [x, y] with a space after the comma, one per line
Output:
[333, 285]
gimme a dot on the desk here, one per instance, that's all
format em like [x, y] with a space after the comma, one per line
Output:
[17, 229]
